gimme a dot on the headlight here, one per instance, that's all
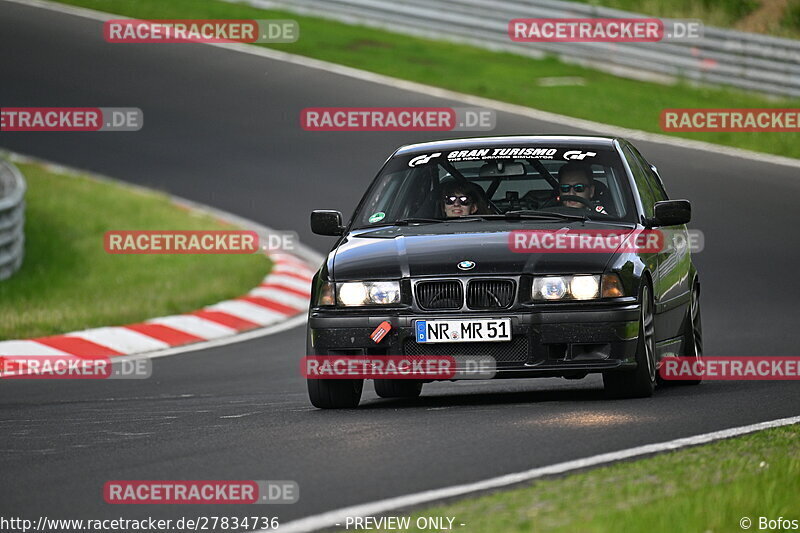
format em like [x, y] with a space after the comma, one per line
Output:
[352, 294]
[368, 293]
[584, 287]
[578, 287]
[384, 292]
[549, 288]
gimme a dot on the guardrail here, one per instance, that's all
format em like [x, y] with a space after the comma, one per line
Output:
[12, 219]
[747, 61]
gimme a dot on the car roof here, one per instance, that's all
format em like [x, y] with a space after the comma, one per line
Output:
[581, 141]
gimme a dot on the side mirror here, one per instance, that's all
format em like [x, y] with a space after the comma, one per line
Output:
[326, 222]
[672, 213]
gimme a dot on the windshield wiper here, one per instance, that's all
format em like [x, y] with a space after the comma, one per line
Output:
[538, 215]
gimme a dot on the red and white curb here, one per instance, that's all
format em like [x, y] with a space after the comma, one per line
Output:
[279, 302]
[283, 294]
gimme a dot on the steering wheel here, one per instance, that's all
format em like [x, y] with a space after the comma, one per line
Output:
[575, 198]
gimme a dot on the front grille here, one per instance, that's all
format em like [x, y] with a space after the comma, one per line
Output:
[439, 294]
[515, 351]
[490, 293]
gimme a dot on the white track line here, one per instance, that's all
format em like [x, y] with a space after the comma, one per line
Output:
[248, 311]
[25, 347]
[292, 266]
[194, 325]
[282, 297]
[289, 281]
[120, 339]
[331, 518]
[544, 116]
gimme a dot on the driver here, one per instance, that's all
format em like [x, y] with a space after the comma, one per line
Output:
[460, 200]
[575, 179]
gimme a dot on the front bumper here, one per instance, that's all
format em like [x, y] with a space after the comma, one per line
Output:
[545, 343]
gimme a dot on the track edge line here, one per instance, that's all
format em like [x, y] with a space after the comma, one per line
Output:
[331, 518]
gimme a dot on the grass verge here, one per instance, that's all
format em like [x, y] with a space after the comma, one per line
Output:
[502, 76]
[708, 488]
[68, 281]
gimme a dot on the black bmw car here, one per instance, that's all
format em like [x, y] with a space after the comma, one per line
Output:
[433, 255]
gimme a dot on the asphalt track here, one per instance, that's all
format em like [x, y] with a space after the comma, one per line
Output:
[222, 128]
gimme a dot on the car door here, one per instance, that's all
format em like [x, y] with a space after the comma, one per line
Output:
[648, 198]
[674, 261]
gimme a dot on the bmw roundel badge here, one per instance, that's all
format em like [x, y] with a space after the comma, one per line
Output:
[466, 265]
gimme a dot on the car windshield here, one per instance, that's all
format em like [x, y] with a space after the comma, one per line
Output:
[497, 182]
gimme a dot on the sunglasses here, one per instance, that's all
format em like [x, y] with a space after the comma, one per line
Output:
[462, 200]
[578, 187]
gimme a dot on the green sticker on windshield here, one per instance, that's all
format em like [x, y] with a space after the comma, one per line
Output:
[377, 217]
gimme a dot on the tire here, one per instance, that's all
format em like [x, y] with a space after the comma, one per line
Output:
[398, 388]
[641, 381]
[335, 393]
[693, 334]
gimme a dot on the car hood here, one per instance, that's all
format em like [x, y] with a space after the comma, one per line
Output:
[436, 250]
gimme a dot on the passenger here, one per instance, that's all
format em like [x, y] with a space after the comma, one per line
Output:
[461, 199]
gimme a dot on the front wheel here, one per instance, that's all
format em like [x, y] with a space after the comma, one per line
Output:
[693, 334]
[641, 381]
[398, 388]
[335, 393]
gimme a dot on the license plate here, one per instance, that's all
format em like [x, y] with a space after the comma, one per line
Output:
[473, 330]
